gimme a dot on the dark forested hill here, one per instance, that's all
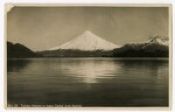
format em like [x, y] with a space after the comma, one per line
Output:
[142, 50]
[19, 51]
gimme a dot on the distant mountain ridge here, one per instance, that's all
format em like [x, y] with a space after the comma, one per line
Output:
[142, 50]
[155, 47]
[159, 40]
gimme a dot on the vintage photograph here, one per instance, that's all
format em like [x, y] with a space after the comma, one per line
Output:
[88, 56]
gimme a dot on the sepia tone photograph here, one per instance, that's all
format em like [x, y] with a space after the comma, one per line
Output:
[88, 56]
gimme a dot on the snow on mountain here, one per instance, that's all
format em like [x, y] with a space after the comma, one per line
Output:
[159, 40]
[87, 42]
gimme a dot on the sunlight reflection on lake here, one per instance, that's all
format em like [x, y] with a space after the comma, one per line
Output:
[91, 71]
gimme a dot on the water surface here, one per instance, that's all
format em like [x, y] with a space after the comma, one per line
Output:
[88, 81]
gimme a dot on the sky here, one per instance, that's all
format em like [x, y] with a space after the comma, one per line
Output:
[42, 28]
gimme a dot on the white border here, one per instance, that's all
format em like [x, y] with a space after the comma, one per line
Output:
[70, 2]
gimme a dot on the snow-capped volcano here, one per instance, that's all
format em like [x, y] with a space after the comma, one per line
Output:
[87, 41]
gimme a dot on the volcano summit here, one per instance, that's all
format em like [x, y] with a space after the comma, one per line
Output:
[87, 41]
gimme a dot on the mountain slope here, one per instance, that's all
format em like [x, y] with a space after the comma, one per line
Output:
[87, 42]
[19, 51]
[156, 47]
[159, 40]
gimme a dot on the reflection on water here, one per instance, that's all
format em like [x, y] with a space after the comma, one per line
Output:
[88, 81]
[90, 70]
[16, 64]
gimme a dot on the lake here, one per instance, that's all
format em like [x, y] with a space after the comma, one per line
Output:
[109, 82]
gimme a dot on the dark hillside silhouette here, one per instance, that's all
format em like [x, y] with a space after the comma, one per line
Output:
[19, 51]
[142, 50]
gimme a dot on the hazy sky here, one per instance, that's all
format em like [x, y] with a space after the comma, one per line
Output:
[41, 28]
